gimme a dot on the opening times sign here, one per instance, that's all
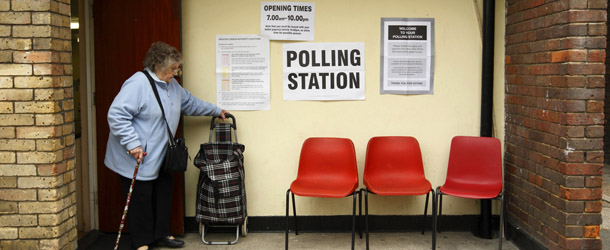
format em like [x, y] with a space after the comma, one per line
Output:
[407, 55]
[323, 71]
[287, 20]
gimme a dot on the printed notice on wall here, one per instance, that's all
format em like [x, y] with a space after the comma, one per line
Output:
[407, 55]
[323, 71]
[242, 72]
[287, 20]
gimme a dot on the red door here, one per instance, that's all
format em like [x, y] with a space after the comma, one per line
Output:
[123, 32]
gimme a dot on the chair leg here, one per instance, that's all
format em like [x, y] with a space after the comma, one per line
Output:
[287, 217]
[366, 216]
[423, 223]
[506, 234]
[501, 220]
[353, 219]
[434, 204]
[360, 213]
[440, 209]
[294, 211]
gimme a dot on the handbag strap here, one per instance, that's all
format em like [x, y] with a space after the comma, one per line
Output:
[152, 83]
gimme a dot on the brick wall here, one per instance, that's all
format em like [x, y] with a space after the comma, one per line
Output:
[37, 176]
[607, 107]
[555, 66]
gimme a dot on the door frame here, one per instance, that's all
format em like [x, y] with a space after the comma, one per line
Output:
[88, 130]
[91, 121]
[85, 145]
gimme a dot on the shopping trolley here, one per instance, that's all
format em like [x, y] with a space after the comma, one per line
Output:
[221, 191]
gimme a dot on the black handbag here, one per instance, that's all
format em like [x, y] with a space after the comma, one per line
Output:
[176, 156]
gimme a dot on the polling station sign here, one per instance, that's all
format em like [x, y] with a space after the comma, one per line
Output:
[323, 71]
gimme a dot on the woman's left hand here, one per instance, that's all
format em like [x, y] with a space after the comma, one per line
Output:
[222, 114]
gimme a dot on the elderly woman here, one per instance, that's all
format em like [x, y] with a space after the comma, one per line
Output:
[137, 126]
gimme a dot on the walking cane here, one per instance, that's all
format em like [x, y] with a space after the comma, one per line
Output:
[133, 180]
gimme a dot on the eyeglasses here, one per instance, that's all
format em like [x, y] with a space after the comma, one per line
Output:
[175, 69]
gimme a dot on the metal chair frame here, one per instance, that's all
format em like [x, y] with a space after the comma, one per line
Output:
[366, 209]
[294, 212]
[439, 197]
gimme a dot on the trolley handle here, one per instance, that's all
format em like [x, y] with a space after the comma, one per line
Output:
[227, 115]
[233, 125]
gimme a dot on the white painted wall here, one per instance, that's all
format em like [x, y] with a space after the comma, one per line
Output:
[273, 138]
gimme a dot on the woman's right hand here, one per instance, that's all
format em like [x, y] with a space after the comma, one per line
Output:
[137, 153]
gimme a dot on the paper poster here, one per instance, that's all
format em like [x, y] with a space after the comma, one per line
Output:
[407, 55]
[323, 71]
[287, 20]
[242, 72]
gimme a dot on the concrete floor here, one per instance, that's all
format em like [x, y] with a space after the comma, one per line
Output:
[407, 241]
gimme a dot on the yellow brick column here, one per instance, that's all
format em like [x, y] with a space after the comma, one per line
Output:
[37, 176]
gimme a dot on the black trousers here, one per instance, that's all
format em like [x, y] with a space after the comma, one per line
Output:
[149, 209]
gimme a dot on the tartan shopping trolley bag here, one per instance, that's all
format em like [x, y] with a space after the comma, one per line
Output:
[221, 192]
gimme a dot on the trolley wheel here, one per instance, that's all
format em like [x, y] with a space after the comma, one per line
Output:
[244, 227]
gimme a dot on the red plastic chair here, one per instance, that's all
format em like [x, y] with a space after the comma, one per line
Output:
[474, 172]
[394, 167]
[328, 169]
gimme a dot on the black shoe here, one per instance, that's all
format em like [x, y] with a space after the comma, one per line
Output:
[166, 241]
